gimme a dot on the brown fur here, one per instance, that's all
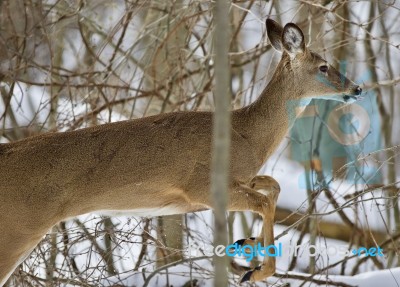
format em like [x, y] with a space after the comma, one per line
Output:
[154, 162]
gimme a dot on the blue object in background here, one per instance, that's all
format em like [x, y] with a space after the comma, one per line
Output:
[336, 135]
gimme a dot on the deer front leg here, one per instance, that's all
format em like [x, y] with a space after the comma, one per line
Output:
[261, 194]
[269, 187]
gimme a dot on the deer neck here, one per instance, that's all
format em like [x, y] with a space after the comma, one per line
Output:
[267, 120]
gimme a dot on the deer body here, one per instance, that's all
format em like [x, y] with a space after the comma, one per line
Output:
[156, 165]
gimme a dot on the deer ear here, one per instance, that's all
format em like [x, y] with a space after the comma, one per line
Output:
[293, 40]
[274, 32]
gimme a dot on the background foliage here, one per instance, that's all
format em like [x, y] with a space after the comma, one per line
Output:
[68, 64]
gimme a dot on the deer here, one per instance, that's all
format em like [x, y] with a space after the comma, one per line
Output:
[160, 165]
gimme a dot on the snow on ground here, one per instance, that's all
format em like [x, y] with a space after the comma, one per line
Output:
[178, 276]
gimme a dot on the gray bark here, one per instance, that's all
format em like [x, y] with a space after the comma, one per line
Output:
[221, 134]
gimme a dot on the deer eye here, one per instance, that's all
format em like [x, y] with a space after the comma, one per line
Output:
[323, 68]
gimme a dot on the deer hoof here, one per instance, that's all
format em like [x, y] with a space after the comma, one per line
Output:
[248, 241]
[247, 276]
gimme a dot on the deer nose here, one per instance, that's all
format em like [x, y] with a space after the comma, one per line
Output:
[358, 91]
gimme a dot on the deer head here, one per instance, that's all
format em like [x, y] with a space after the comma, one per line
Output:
[307, 73]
